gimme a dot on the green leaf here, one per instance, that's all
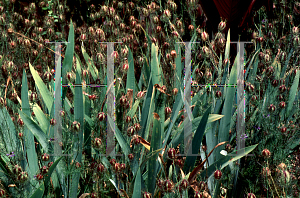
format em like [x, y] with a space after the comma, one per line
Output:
[78, 137]
[196, 142]
[29, 139]
[155, 70]
[51, 170]
[68, 60]
[8, 131]
[41, 118]
[35, 130]
[133, 109]
[137, 185]
[38, 192]
[155, 145]
[292, 95]
[120, 138]
[225, 160]
[46, 95]
[130, 84]
[90, 63]
[227, 110]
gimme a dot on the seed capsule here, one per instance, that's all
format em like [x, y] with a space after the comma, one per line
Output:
[171, 153]
[147, 195]
[97, 142]
[266, 153]
[76, 126]
[218, 94]
[221, 26]
[251, 195]
[168, 110]
[282, 104]
[283, 129]
[23, 176]
[130, 131]
[218, 174]
[130, 156]
[100, 168]
[272, 108]
[45, 157]
[101, 116]
[44, 169]
[282, 88]
[52, 122]
[168, 185]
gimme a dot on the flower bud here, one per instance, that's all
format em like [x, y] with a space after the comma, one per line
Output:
[39, 176]
[283, 129]
[17, 169]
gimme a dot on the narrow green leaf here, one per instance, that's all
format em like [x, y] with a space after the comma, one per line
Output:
[293, 92]
[50, 171]
[46, 95]
[196, 142]
[137, 185]
[120, 138]
[227, 110]
[29, 139]
[41, 118]
[225, 160]
[78, 137]
[68, 60]
[133, 109]
[38, 192]
[35, 130]
[130, 84]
